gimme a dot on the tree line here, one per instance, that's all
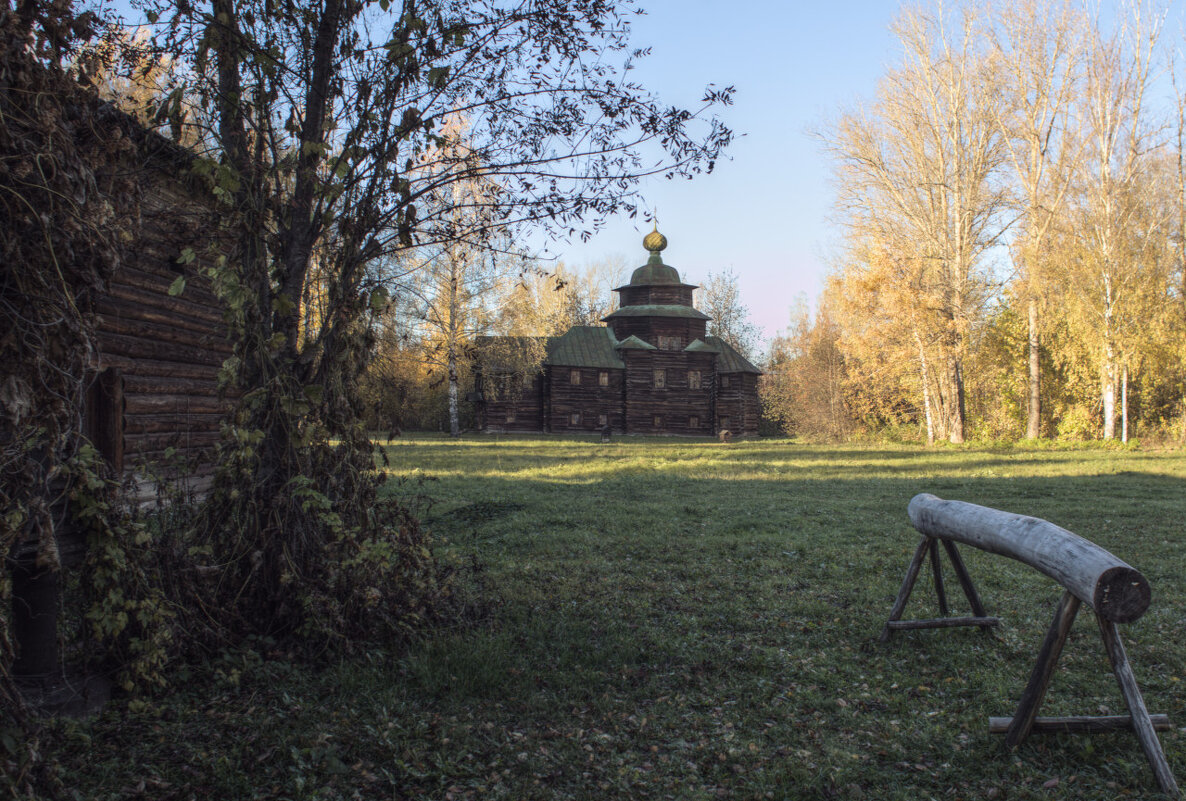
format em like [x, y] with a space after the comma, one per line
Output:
[1013, 217]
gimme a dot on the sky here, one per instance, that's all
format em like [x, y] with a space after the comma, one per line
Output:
[764, 211]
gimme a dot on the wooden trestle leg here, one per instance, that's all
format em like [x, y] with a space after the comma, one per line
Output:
[937, 572]
[930, 545]
[1035, 690]
[907, 585]
[965, 580]
[1141, 722]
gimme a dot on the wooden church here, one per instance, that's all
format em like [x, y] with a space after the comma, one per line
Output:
[650, 370]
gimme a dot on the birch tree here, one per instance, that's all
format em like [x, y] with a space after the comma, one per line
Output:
[1114, 224]
[1037, 46]
[720, 298]
[918, 172]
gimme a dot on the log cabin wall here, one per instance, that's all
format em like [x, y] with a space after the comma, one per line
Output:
[509, 410]
[668, 409]
[161, 354]
[667, 295]
[589, 400]
[737, 406]
[649, 329]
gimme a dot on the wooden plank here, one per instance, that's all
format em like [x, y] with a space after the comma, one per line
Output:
[207, 308]
[161, 423]
[134, 368]
[942, 623]
[1075, 724]
[1141, 721]
[1035, 690]
[210, 339]
[196, 290]
[965, 580]
[1114, 589]
[137, 403]
[907, 585]
[110, 308]
[937, 574]
[136, 348]
[141, 444]
[157, 385]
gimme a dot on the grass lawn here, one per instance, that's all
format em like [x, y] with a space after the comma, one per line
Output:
[681, 619]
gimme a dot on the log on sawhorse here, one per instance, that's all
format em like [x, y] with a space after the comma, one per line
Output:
[1115, 591]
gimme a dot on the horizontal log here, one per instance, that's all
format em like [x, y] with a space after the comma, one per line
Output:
[157, 385]
[1115, 590]
[139, 368]
[209, 338]
[196, 290]
[1079, 723]
[136, 404]
[142, 348]
[145, 492]
[147, 443]
[943, 622]
[157, 309]
[183, 462]
[161, 423]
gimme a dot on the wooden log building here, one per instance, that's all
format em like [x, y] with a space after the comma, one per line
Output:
[651, 369]
[153, 407]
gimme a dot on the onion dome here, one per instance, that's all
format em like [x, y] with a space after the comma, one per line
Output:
[654, 241]
[654, 271]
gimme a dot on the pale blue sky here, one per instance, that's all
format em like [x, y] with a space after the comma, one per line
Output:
[764, 212]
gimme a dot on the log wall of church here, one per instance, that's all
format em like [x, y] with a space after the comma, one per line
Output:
[674, 408]
[737, 404]
[649, 329]
[575, 408]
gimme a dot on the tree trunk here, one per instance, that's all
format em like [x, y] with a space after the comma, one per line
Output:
[1108, 395]
[454, 416]
[1034, 420]
[926, 390]
[958, 402]
[1124, 406]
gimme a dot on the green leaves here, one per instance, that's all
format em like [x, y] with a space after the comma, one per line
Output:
[178, 286]
[438, 77]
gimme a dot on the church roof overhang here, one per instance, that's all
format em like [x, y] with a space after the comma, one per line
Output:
[585, 346]
[634, 343]
[729, 360]
[686, 312]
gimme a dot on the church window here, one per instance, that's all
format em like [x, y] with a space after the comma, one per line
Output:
[603, 420]
[660, 378]
[658, 421]
[510, 417]
[724, 382]
[574, 377]
[693, 379]
[668, 343]
[724, 423]
[603, 378]
[693, 422]
[574, 419]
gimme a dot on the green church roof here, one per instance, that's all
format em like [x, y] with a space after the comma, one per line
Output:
[729, 360]
[654, 272]
[634, 343]
[700, 346]
[585, 346]
[686, 312]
